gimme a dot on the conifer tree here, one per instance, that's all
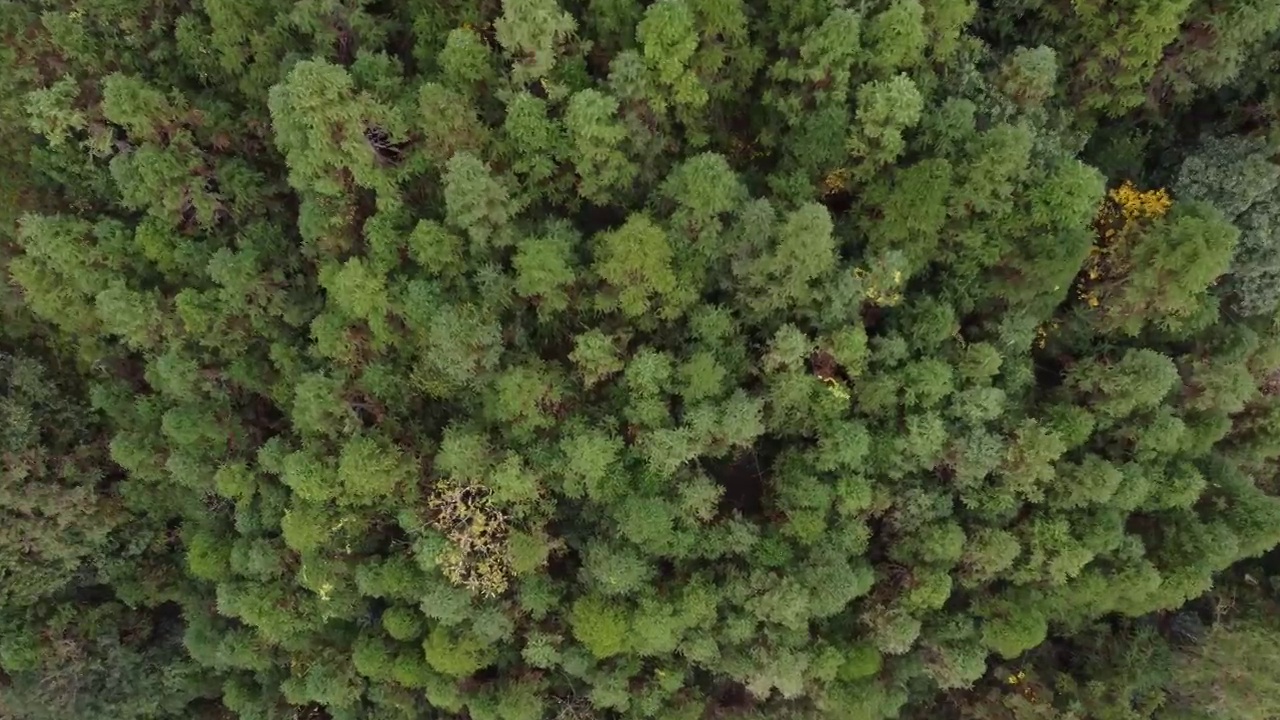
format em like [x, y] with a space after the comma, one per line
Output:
[543, 359]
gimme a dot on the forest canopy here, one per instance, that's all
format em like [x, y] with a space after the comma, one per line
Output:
[571, 359]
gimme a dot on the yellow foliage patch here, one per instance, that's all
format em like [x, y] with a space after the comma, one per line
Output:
[836, 181]
[1124, 214]
[476, 555]
[879, 290]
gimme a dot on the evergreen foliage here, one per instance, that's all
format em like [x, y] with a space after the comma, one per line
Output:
[537, 359]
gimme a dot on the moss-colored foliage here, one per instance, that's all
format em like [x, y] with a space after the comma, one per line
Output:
[566, 358]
